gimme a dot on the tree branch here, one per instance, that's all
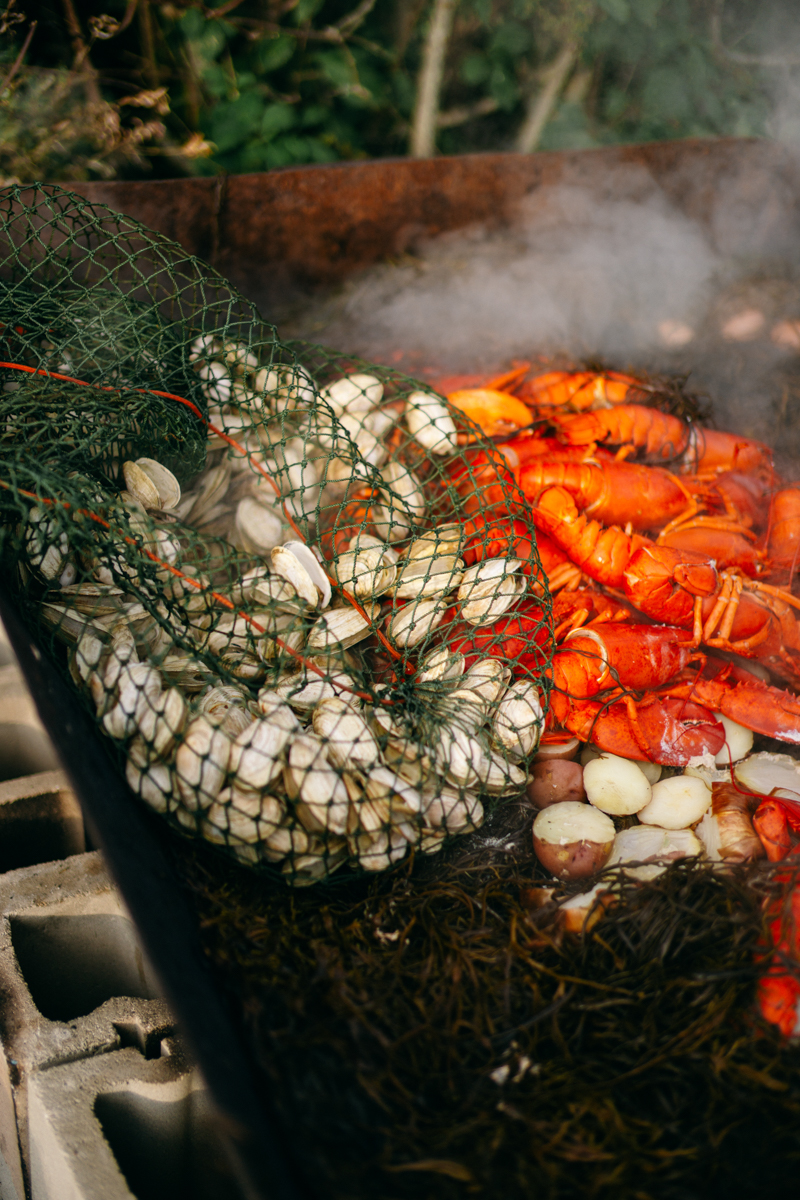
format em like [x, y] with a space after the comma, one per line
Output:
[541, 104]
[429, 82]
[457, 116]
[17, 63]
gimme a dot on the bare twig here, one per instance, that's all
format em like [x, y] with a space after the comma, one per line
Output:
[429, 82]
[351, 22]
[148, 44]
[130, 12]
[81, 61]
[542, 103]
[17, 63]
[467, 112]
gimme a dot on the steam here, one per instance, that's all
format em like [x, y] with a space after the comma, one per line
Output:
[616, 272]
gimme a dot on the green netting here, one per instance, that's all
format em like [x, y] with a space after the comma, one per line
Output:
[288, 582]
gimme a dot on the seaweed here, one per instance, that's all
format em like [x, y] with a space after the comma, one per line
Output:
[423, 1034]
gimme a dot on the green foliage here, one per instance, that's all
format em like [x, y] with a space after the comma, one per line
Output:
[272, 83]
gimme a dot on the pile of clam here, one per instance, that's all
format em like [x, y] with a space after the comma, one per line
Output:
[259, 712]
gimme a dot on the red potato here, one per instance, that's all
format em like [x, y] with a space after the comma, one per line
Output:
[555, 781]
[566, 748]
[572, 840]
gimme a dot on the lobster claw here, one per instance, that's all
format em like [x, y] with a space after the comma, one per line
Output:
[676, 730]
[661, 729]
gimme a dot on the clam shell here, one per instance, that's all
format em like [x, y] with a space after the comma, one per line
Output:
[304, 692]
[435, 576]
[259, 528]
[487, 678]
[442, 541]
[217, 383]
[161, 719]
[442, 664]
[309, 561]
[488, 589]
[137, 689]
[255, 755]
[154, 783]
[289, 838]
[319, 792]
[240, 816]
[185, 671]
[353, 393]
[430, 422]
[207, 492]
[348, 740]
[201, 763]
[366, 573]
[239, 356]
[288, 565]
[165, 483]
[140, 485]
[465, 709]
[402, 491]
[381, 783]
[341, 627]
[454, 811]
[518, 722]
[286, 388]
[415, 621]
[94, 599]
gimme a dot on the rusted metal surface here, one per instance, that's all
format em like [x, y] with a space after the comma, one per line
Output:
[281, 234]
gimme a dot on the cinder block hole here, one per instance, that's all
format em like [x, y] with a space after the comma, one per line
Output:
[134, 1035]
[24, 750]
[166, 1149]
[74, 963]
[40, 829]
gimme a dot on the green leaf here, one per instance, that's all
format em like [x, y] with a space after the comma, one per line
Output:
[618, 9]
[304, 10]
[275, 52]
[511, 38]
[277, 118]
[475, 68]
[503, 87]
[335, 66]
[234, 121]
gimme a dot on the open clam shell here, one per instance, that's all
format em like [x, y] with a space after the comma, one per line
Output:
[165, 483]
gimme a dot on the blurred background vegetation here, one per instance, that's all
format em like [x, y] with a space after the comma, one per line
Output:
[136, 88]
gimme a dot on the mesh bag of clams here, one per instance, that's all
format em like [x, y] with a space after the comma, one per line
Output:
[278, 576]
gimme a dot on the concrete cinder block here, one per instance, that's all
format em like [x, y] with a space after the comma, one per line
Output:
[118, 1126]
[74, 982]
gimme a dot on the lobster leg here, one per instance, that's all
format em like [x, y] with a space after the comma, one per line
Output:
[775, 821]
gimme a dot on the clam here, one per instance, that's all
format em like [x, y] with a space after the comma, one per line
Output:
[377, 851]
[239, 356]
[286, 387]
[402, 490]
[430, 422]
[165, 483]
[413, 622]
[153, 783]
[94, 599]
[381, 783]
[341, 627]
[489, 588]
[201, 763]
[299, 567]
[319, 792]
[140, 485]
[255, 755]
[517, 724]
[442, 664]
[259, 529]
[455, 811]
[488, 678]
[443, 541]
[422, 577]
[288, 838]
[217, 383]
[349, 742]
[159, 720]
[243, 816]
[367, 572]
[207, 492]
[353, 394]
[305, 691]
[137, 689]
[46, 548]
